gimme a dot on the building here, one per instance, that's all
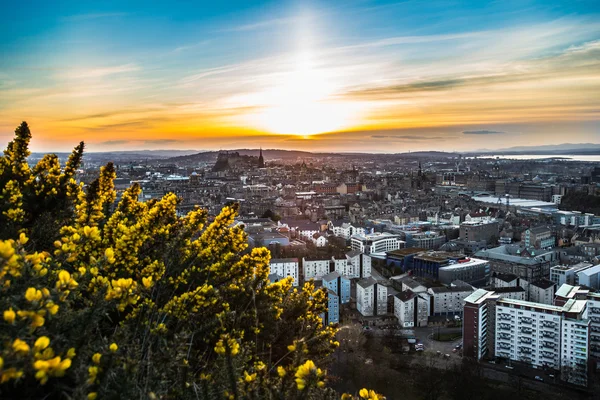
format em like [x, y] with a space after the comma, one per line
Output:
[449, 300]
[332, 315]
[401, 260]
[539, 237]
[504, 280]
[404, 308]
[479, 308]
[285, 267]
[527, 264]
[314, 268]
[340, 285]
[568, 274]
[427, 240]
[541, 291]
[541, 335]
[359, 264]
[589, 277]
[511, 292]
[479, 230]
[345, 229]
[447, 267]
[371, 297]
[376, 242]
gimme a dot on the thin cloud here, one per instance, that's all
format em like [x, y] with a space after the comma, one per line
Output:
[483, 132]
[161, 141]
[408, 137]
[260, 25]
[114, 142]
[99, 72]
[91, 16]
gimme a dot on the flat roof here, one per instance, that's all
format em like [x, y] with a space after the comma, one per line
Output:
[479, 296]
[406, 251]
[283, 260]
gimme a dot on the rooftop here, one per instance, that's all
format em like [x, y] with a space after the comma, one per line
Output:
[406, 251]
[283, 260]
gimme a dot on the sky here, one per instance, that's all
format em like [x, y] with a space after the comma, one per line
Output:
[353, 75]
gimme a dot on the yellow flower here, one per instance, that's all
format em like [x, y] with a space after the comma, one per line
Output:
[1, 363]
[110, 255]
[346, 396]
[71, 352]
[92, 396]
[147, 282]
[9, 316]
[281, 371]
[32, 294]
[113, 347]
[249, 377]
[23, 239]
[96, 358]
[41, 343]
[364, 393]
[292, 347]
[20, 346]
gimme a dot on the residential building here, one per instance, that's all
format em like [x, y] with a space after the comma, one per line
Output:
[449, 300]
[568, 274]
[285, 267]
[315, 268]
[511, 292]
[359, 264]
[371, 297]
[541, 335]
[504, 280]
[404, 308]
[541, 291]
[339, 285]
[345, 229]
[539, 237]
[477, 230]
[332, 315]
[376, 242]
[589, 277]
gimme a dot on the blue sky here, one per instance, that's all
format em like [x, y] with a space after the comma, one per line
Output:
[370, 75]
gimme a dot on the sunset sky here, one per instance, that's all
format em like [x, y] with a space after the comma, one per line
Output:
[350, 75]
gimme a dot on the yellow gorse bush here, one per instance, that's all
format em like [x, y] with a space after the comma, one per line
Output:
[128, 300]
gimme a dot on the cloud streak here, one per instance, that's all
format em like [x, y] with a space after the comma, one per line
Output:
[483, 132]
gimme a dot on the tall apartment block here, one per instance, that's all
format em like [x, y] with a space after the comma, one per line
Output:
[541, 335]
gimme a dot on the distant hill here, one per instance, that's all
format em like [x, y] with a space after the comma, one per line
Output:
[553, 149]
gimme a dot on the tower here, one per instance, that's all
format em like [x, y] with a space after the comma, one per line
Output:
[261, 160]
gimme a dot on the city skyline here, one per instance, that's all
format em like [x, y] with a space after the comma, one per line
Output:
[368, 76]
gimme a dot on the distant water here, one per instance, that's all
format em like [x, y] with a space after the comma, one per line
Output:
[541, 157]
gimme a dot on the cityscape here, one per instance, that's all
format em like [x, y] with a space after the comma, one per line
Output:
[261, 203]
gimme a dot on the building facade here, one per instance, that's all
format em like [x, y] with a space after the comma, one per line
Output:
[285, 267]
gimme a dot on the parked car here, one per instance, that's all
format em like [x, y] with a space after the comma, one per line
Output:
[492, 362]
[509, 367]
[539, 378]
[551, 375]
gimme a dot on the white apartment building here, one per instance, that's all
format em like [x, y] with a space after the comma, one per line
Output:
[359, 264]
[371, 297]
[285, 267]
[589, 277]
[449, 300]
[342, 267]
[346, 230]
[404, 308]
[544, 335]
[376, 242]
[315, 269]
[542, 291]
[561, 274]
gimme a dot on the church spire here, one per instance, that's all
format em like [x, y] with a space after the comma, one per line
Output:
[261, 160]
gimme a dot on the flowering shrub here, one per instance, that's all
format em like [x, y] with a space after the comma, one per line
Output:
[131, 301]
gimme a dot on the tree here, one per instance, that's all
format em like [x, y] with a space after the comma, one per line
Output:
[132, 301]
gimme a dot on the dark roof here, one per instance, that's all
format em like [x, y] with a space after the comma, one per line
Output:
[406, 295]
[406, 251]
[411, 283]
[506, 277]
[539, 229]
[463, 288]
[508, 289]
[543, 283]
[283, 260]
[366, 282]
[353, 253]
[331, 276]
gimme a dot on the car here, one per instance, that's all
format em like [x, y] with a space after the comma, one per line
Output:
[539, 378]
[551, 375]
[446, 355]
[492, 362]
[454, 350]
[509, 367]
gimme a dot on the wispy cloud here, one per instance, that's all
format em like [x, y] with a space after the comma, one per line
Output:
[98, 72]
[91, 16]
[483, 132]
[260, 24]
[114, 142]
[161, 141]
[408, 137]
